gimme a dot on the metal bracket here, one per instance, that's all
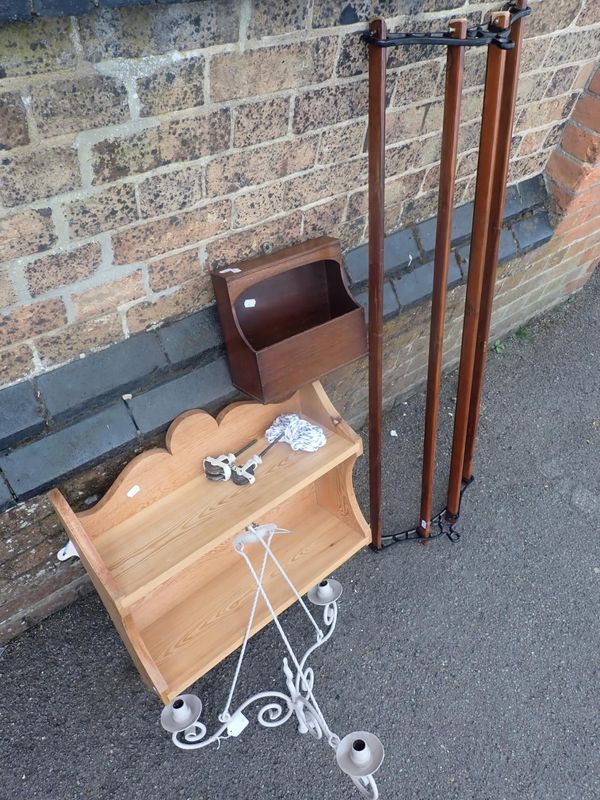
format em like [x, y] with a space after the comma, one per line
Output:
[68, 551]
[479, 36]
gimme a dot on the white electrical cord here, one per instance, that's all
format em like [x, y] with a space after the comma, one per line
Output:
[297, 432]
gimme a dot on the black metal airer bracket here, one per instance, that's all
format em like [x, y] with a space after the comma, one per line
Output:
[500, 90]
[477, 36]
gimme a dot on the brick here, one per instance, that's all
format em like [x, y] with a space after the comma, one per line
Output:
[106, 297]
[562, 81]
[390, 302]
[532, 231]
[194, 137]
[78, 103]
[15, 363]
[268, 18]
[575, 175]
[261, 121]
[8, 293]
[417, 83]
[236, 246]
[318, 108]
[102, 211]
[418, 284]
[404, 124]
[590, 13]
[229, 173]
[39, 45]
[533, 53]
[413, 155]
[553, 136]
[567, 201]
[532, 142]
[38, 172]
[155, 29]
[399, 250]
[159, 236]
[582, 77]
[20, 414]
[535, 115]
[573, 46]
[398, 193]
[551, 18]
[265, 70]
[155, 409]
[324, 219]
[171, 191]
[188, 338]
[63, 268]
[13, 121]
[594, 85]
[165, 273]
[342, 142]
[37, 466]
[301, 190]
[190, 296]
[81, 337]
[528, 166]
[23, 322]
[173, 87]
[587, 112]
[101, 377]
[119, 157]
[462, 220]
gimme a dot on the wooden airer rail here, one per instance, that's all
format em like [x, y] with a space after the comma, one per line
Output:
[158, 548]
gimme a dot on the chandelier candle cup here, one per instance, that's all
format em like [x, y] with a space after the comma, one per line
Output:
[360, 754]
[181, 714]
[326, 592]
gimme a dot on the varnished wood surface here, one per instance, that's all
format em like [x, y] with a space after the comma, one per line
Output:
[158, 546]
[479, 236]
[288, 318]
[376, 134]
[505, 128]
[455, 60]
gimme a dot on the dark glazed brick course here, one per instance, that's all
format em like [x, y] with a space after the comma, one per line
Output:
[20, 414]
[102, 376]
[462, 220]
[200, 388]
[6, 498]
[187, 338]
[390, 301]
[400, 249]
[533, 231]
[40, 465]
[419, 283]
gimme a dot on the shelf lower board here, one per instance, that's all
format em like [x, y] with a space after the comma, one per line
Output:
[209, 624]
[160, 541]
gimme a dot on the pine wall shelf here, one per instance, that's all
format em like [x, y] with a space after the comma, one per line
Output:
[158, 545]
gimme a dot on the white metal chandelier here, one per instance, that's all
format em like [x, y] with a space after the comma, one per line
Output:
[359, 754]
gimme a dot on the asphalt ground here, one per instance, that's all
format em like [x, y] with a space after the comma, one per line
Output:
[476, 663]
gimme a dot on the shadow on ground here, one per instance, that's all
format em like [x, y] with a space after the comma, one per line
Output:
[476, 663]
